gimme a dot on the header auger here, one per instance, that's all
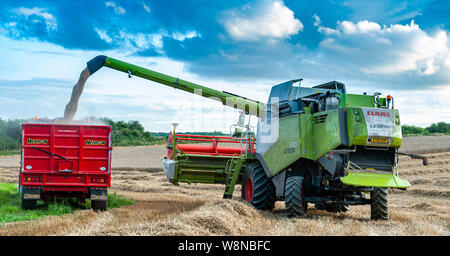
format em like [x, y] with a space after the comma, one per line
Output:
[317, 145]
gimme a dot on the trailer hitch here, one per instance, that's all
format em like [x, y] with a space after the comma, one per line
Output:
[414, 156]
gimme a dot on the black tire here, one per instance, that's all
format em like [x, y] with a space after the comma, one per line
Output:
[98, 205]
[294, 193]
[28, 204]
[379, 204]
[261, 194]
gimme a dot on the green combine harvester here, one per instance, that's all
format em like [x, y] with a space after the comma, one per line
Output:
[318, 145]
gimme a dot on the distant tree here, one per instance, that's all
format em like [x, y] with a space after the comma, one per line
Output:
[440, 127]
[407, 129]
[131, 133]
[10, 134]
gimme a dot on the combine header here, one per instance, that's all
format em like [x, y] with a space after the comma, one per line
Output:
[318, 145]
[212, 163]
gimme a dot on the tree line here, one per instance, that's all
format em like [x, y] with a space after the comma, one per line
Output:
[438, 128]
[125, 133]
[132, 133]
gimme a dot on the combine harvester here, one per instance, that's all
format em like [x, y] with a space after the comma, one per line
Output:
[318, 145]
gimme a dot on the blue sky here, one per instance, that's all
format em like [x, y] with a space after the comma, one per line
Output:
[245, 47]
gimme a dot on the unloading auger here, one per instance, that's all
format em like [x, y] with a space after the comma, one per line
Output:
[250, 106]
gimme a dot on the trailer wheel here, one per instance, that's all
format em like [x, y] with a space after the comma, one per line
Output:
[99, 205]
[257, 189]
[28, 204]
[379, 204]
[294, 194]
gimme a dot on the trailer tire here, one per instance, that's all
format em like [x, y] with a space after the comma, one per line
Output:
[379, 204]
[98, 205]
[28, 204]
[257, 189]
[294, 193]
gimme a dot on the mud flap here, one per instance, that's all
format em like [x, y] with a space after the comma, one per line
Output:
[31, 193]
[362, 179]
[99, 194]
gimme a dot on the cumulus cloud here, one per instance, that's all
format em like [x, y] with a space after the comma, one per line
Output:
[388, 50]
[259, 40]
[267, 19]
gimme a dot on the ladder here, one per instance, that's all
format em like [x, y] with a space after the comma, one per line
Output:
[233, 167]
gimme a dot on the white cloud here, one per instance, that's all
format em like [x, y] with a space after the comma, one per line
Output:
[117, 9]
[268, 19]
[447, 62]
[361, 27]
[50, 20]
[146, 8]
[322, 29]
[386, 50]
[142, 41]
[136, 41]
[317, 20]
[182, 36]
[103, 35]
[421, 108]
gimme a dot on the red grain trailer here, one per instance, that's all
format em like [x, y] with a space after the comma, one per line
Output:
[59, 160]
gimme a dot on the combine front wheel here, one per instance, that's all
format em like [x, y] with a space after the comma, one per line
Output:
[257, 189]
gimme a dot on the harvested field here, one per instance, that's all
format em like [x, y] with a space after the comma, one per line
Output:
[426, 144]
[198, 209]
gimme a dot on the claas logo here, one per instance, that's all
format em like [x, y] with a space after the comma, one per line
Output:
[96, 142]
[37, 141]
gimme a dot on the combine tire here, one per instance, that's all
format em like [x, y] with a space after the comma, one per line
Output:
[379, 204]
[294, 193]
[257, 189]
